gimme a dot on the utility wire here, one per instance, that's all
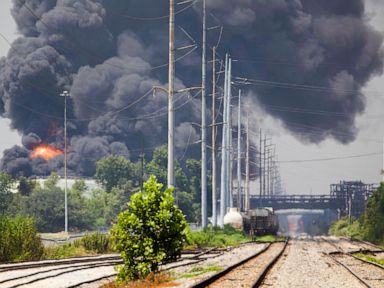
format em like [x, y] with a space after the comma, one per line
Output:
[155, 18]
[99, 58]
[332, 158]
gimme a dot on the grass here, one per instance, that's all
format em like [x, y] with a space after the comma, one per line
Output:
[54, 236]
[88, 245]
[198, 270]
[215, 237]
[370, 258]
[269, 238]
[66, 251]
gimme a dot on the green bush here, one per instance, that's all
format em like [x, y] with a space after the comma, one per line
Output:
[343, 228]
[150, 232]
[19, 240]
[97, 242]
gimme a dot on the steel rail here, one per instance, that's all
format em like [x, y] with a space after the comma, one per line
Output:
[68, 261]
[223, 273]
[59, 268]
[341, 252]
[90, 266]
[349, 270]
[270, 265]
[216, 276]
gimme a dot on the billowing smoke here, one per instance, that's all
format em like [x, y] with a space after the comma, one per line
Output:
[309, 55]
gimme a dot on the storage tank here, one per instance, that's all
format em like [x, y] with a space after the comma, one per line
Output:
[234, 218]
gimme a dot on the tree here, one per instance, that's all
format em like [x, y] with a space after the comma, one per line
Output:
[373, 217]
[25, 186]
[46, 205]
[114, 171]
[158, 167]
[79, 217]
[6, 183]
[150, 232]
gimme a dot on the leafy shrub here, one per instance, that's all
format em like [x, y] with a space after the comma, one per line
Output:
[343, 228]
[150, 232]
[97, 242]
[19, 240]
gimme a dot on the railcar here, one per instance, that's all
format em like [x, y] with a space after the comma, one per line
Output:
[260, 221]
[255, 222]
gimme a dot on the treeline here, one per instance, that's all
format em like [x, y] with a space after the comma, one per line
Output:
[119, 177]
[370, 226]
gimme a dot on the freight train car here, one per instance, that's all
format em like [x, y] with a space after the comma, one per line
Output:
[260, 221]
[255, 222]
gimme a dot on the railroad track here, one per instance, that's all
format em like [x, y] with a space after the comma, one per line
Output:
[249, 272]
[75, 272]
[368, 273]
[42, 273]
[374, 248]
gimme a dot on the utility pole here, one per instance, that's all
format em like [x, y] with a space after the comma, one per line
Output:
[382, 171]
[142, 165]
[239, 154]
[204, 218]
[65, 94]
[214, 210]
[229, 136]
[273, 170]
[261, 164]
[171, 76]
[247, 204]
[264, 159]
[223, 180]
[268, 172]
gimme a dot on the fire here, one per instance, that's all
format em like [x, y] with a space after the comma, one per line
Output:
[46, 152]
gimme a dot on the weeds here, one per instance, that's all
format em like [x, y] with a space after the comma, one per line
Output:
[66, 251]
[216, 237]
[19, 240]
[95, 242]
[198, 270]
[370, 258]
[153, 280]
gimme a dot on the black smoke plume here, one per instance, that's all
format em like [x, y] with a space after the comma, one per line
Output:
[311, 55]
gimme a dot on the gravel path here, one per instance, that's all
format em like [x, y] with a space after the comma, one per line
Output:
[304, 265]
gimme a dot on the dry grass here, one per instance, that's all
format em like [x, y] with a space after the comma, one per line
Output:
[153, 280]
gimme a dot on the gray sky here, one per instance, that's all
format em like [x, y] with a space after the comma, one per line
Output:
[8, 29]
[300, 178]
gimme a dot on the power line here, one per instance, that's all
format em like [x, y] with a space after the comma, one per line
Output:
[332, 158]
[155, 18]
[99, 58]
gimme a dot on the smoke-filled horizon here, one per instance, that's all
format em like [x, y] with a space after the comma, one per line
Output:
[307, 55]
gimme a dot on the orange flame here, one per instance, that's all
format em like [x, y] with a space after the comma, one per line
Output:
[46, 152]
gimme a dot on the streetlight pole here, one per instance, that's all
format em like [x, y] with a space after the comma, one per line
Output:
[65, 94]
